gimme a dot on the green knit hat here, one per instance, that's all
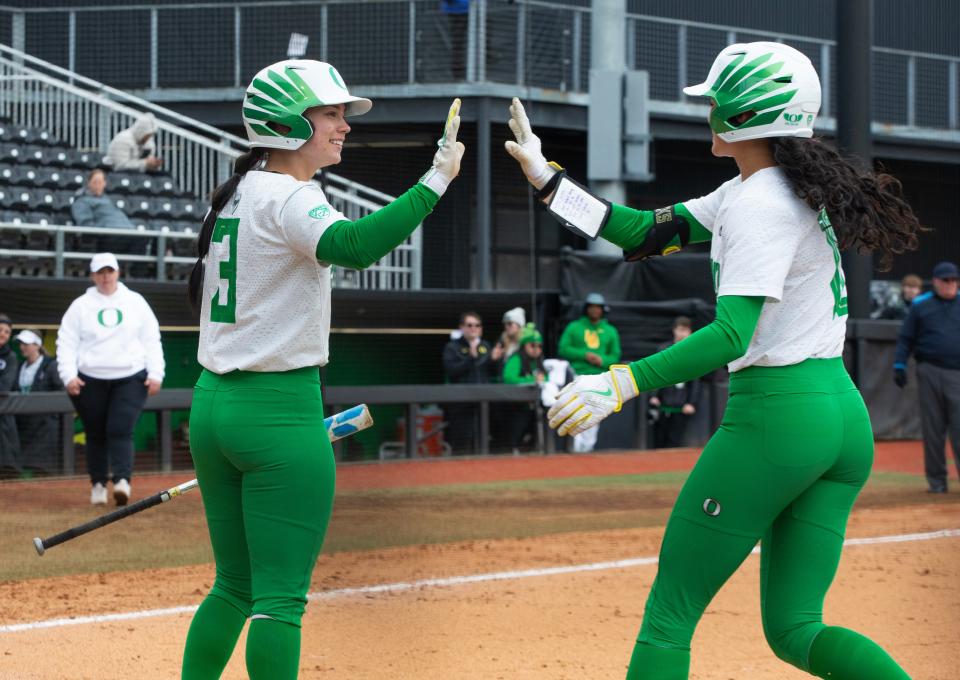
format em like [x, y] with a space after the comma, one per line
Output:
[530, 334]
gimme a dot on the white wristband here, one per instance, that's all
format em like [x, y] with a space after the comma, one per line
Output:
[436, 181]
[624, 382]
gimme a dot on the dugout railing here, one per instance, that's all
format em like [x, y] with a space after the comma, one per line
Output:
[894, 412]
[336, 398]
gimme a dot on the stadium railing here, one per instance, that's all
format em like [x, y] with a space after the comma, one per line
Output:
[87, 114]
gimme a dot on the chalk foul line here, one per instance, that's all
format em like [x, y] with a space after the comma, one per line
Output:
[438, 583]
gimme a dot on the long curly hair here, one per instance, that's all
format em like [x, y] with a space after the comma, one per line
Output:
[866, 208]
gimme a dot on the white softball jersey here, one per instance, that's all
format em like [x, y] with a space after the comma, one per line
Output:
[266, 298]
[109, 337]
[767, 242]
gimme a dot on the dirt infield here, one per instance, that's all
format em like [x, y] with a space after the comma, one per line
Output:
[535, 625]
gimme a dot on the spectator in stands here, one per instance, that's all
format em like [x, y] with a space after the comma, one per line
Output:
[675, 404]
[513, 322]
[523, 368]
[92, 207]
[110, 359]
[9, 441]
[133, 148]
[39, 433]
[591, 344]
[910, 287]
[930, 332]
[467, 358]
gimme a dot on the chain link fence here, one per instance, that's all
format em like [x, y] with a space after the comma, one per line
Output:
[536, 43]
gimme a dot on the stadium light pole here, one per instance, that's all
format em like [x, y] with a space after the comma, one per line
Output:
[854, 89]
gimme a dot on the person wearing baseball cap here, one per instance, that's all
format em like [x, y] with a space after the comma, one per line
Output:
[39, 433]
[930, 333]
[591, 344]
[110, 359]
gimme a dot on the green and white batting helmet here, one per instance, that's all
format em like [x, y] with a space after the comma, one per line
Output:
[775, 83]
[278, 96]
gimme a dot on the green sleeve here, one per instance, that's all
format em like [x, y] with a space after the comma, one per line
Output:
[612, 353]
[628, 228]
[360, 243]
[565, 349]
[511, 371]
[711, 347]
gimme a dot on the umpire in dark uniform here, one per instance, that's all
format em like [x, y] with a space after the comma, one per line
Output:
[931, 332]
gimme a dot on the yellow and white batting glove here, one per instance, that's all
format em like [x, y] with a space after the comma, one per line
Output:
[446, 162]
[590, 398]
[527, 148]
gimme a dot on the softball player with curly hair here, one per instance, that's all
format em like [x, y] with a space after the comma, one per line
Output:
[262, 283]
[795, 445]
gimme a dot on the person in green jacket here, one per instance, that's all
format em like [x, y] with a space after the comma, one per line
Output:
[524, 367]
[591, 344]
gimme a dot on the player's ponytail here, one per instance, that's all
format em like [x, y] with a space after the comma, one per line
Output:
[866, 208]
[218, 199]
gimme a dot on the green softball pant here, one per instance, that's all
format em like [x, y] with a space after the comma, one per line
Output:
[267, 474]
[793, 451]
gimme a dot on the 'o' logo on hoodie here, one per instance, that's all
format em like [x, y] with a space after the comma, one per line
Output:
[109, 317]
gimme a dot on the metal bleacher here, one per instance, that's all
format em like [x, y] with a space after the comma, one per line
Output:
[55, 126]
[40, 176]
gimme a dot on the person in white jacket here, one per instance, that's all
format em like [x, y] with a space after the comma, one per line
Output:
[133, 148]
[109, 358]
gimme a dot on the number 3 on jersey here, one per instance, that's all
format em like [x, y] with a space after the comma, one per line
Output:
[837, 284]
[223, 306]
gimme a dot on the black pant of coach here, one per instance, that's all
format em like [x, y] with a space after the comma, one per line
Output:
[939, 395]
[109, 410]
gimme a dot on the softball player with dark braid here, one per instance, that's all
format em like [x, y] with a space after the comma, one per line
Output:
[262, 282]
[795, 445]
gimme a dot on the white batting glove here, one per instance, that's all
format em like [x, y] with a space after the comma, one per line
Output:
[590, 398]
[527, 148]
[446, 162]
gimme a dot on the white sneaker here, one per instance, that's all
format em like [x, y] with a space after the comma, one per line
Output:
[121, 492]
[98, 494]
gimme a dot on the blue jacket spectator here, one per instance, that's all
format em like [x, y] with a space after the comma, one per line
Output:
[931, 329]
[93, 208]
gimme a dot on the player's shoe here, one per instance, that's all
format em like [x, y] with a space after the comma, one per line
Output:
[121, 492]
[98, 494]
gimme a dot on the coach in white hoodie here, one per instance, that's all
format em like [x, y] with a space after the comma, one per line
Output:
[110, 358]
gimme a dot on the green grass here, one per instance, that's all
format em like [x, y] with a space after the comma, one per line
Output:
[175, 534]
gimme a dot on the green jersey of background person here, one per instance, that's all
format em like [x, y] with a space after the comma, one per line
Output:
[591, 343]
